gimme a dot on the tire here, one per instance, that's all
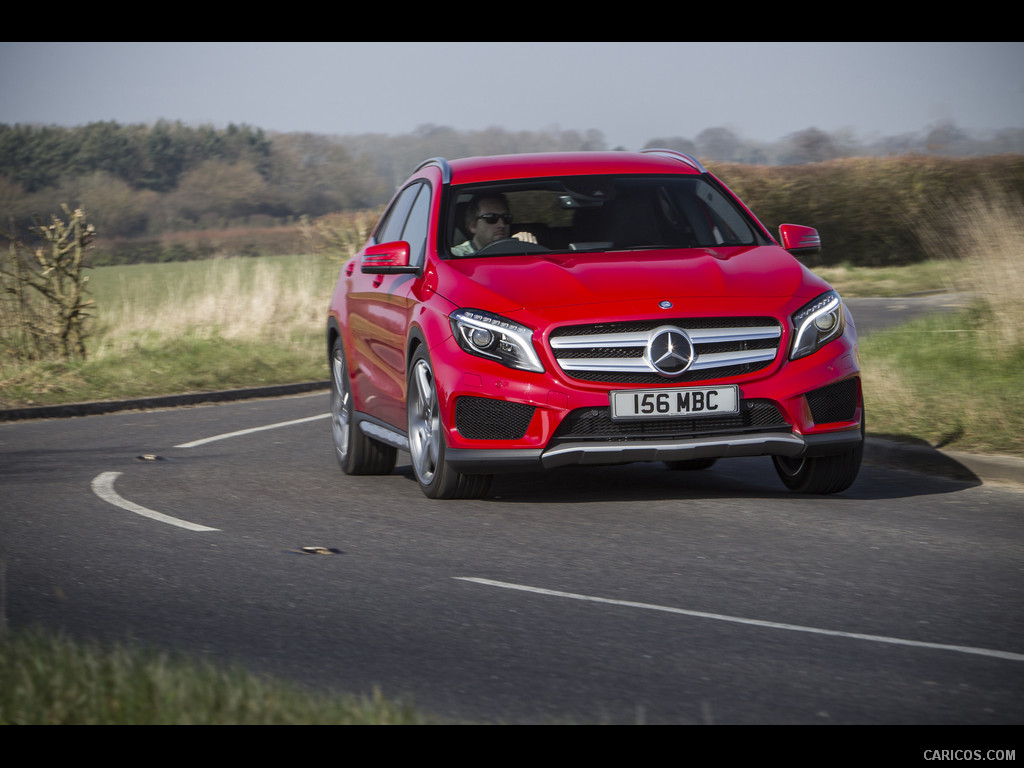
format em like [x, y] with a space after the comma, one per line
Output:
[427, 445]
[821, 474]
[358, 454]
[690, 465]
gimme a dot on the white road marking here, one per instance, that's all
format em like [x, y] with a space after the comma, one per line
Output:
[752, 622]
[103, 486]
[241, 432]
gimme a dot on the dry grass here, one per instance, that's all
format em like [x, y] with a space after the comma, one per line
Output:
[958, 380]
[277, 300]
[988, 232]
[187, 327]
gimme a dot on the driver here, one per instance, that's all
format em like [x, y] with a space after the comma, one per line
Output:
[487, 221]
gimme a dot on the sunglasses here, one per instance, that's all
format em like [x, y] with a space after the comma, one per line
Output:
[492, 218]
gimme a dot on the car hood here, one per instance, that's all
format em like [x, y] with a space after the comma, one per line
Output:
[510, 283]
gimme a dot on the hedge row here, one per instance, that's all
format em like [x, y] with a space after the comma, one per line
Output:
[869, 210]
[197, 245]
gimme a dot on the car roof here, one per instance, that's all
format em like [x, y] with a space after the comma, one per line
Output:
[475, 170]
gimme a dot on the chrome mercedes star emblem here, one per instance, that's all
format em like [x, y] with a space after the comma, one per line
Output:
[669, 351]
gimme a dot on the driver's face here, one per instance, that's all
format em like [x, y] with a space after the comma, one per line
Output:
[486, 232]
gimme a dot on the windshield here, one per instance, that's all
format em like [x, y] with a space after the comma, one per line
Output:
[593, 213]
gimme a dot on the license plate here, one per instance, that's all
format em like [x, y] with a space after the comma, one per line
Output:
[674, 403]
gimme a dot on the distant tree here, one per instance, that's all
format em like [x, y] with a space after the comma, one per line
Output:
[810, 145]
[1008, 140]
[122, 210]
[218, 190]
[718, 144]
[12, 201]
[108, 148]
[944, 138]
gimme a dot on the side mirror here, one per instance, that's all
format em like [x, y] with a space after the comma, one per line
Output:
[387, 259]
[797, 239]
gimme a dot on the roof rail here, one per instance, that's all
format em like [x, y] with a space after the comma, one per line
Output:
[440, 162]
[690, 161]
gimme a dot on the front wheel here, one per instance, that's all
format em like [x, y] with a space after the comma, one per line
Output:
[427, 445]
[821, 474]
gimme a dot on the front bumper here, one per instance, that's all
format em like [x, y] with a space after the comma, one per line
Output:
[791, 445]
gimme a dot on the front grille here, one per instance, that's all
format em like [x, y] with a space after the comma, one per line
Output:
[483, 418]
[597, 424]
[723, 347]
[836, 402]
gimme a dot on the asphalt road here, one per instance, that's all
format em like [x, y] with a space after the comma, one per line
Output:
[595, 595]
[872, 314]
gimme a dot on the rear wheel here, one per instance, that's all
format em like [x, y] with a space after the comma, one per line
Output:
[357, 453]
[821, 474]
[427, 445]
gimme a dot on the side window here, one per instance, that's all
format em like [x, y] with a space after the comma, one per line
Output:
[395, 221]
[415, 231]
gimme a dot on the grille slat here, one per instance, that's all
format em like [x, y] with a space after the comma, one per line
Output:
[613, 352]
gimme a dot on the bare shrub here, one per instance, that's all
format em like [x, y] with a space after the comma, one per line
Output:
[42, 290]
[339, 235]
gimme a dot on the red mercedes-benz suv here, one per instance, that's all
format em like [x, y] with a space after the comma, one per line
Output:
[526, 312]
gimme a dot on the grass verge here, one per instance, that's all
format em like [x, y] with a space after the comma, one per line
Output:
[884, 282]
[940, 380]
[958, 381]
[165, 329]
[47, 679]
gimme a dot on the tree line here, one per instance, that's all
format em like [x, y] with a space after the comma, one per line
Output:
[143, 180]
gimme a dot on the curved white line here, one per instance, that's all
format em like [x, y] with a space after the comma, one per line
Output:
[241, 432]
[1008, 655]
[103, 486]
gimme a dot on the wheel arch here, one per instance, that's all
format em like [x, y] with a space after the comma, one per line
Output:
[333, 333]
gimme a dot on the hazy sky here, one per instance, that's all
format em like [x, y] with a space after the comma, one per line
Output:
[631, 92]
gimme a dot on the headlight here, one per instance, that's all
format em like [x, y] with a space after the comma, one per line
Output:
[816, 324]
[495, 338]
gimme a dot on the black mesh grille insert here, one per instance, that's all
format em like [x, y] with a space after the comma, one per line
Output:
[836, 402]
[597, 424]
[483, 418]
